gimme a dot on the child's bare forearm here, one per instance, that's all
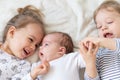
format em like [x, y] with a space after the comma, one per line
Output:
[107, 43]
[91, 71]
[101, 42]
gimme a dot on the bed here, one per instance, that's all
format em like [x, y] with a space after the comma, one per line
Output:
[71, 16]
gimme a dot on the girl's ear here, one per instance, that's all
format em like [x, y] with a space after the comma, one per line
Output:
[62, 51]
[11, 31]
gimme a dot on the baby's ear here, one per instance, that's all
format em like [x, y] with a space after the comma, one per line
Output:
[62, 51]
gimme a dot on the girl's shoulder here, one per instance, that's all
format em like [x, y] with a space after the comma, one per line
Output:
[12, 59]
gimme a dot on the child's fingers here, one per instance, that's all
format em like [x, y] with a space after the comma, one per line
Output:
[92, 48]
[83, 49]
[46, 66]
[47, 63]
[96, 49]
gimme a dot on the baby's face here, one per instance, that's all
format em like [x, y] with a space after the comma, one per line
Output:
[108, 23]
[50, 48]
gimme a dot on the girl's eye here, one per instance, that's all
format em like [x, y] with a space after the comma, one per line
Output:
[31, 40]
[37, 45]
[98, 27]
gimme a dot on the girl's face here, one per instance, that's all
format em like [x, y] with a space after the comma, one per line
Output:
[108, 23]
[50, 48]
[24, 41]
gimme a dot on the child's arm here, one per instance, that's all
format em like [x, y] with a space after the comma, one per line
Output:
[88, 52]
[102, 42]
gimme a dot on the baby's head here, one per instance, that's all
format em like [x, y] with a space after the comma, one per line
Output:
[24, 32]
[107, 19]
[55, 45]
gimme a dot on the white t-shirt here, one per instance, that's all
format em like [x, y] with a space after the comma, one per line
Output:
[66, 67]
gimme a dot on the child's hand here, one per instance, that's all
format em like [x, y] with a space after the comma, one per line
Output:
[94, 40]
[41, 69]
[88, 52]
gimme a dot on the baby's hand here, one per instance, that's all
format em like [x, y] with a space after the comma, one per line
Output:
[41, 69]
